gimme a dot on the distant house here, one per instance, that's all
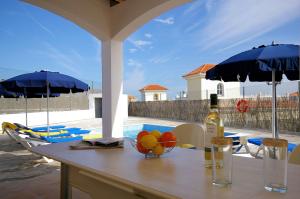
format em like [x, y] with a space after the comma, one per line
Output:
[200, 88]
[154, 92]
[294, 94]
[132, 98]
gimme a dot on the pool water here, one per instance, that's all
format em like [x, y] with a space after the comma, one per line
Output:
[133, 130]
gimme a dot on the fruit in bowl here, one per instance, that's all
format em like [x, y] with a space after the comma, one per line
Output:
[153, 144]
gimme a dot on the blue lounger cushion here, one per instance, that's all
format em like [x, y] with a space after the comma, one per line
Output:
[62, 139]
[72, 129]
[58, 135]
[55, 130]
[258, 141]
[77, 132]
[44, 128]
[234, 138]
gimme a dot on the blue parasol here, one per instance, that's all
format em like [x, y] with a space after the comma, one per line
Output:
[7, 94]
[10, 94]
[38, 82]
[44, 82]
[265, 63]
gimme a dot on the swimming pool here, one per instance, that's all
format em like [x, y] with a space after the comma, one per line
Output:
[132, 130]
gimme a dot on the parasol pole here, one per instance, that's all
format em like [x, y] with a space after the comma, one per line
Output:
[48, 108]
[26, 109]
[70, 99]
[274, 114]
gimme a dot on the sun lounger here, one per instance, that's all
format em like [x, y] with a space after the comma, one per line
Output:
[63, 136]
[29, 138]
[45, 128]
[258, 142]
[56, 130]
[26, 136]
[61, 139]
[295, 156]
[52, 132]
[239, 141]
[12, 131]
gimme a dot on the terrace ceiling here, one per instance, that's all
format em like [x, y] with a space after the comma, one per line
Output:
[107, 19]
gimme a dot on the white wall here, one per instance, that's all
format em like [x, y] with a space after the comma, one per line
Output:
[194, 88]
[231, 89]
[40, 118]
[200, 88]
[149, 95]
[124, 104]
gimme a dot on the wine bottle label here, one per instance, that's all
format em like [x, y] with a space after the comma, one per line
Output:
[211, 131]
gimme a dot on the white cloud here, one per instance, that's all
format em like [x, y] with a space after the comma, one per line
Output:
[169, 20]
[195, 5]
[132, 62]
[163, 58]
[132, 50]
[135, 78]
[209, 4]
[77, 55]
[148, 35]
[62, 59]
[140, 44]
[193, 26]
[160, 60]
[236, 21]
[44, 28]
[97, 46]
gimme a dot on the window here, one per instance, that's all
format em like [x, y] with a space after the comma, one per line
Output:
[155, 97]
[220, 89]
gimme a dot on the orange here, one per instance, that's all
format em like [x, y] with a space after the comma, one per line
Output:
[142, 149]
[141, 134]
[168, 139]
[158, 149]
[155, 133]
[148, 141]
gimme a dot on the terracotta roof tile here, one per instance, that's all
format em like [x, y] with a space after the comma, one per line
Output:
[153, 87]
[202, 69]
[294, 94]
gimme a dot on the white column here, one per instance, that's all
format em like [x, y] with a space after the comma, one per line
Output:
[112, 88]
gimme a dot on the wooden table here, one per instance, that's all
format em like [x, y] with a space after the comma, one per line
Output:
[124, 173]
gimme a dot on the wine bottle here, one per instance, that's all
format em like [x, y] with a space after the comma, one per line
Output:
[213, 127]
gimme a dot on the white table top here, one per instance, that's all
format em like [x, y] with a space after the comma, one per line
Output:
[180, 173]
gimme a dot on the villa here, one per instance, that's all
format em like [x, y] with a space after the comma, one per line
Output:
[199, 88]
[153, 92]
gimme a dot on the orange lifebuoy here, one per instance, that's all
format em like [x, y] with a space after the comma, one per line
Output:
[242, 106]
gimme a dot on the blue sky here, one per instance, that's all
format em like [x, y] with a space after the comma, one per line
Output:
[180, 40]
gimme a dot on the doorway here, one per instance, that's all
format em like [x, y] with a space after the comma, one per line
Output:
[98, 107]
